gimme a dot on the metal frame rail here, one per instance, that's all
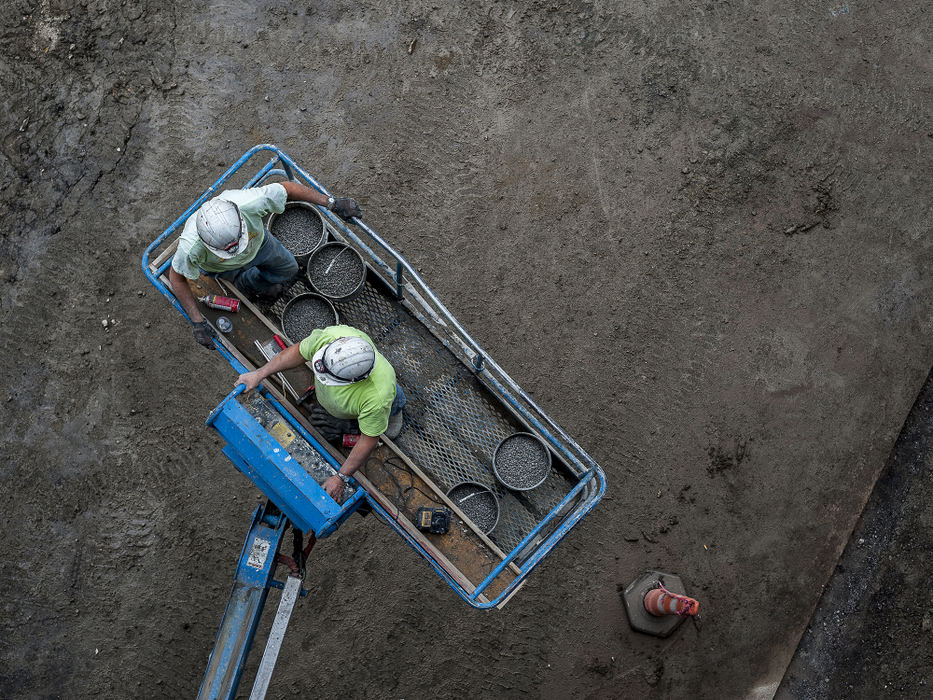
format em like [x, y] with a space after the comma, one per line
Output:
[418, 298]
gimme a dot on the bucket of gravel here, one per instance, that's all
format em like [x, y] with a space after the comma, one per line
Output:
[521, 462]
[478, 503]
[299, 228]
[304, 313]
[336, 271]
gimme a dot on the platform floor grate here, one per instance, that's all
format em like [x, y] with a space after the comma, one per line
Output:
[452, 425]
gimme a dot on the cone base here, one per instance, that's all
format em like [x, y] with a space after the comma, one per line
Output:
[640, 619]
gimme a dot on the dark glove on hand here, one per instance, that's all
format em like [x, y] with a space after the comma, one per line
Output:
[204, 334]
[347, 208]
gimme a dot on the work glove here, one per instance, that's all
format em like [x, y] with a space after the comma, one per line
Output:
[204, 334]
[330, 427]
[347, 208]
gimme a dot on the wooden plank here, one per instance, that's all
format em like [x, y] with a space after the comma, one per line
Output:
[453, 506]
[408, 493]
[163, 256]
[417, 535]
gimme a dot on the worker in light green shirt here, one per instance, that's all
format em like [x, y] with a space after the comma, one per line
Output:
[351, 381]
[227, 239]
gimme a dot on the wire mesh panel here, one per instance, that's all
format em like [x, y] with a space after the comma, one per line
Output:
[452, 425]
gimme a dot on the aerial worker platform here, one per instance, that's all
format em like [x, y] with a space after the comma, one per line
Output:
[460, 406]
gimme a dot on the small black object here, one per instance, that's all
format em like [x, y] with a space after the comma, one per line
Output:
[307, 395]
[265, 296]
[433, 520]
[346, 208]
[204, 334]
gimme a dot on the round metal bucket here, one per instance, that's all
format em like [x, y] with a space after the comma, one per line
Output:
[336, 271]
[304, 313]
[521, 462]
[484, 513]
[300, 228]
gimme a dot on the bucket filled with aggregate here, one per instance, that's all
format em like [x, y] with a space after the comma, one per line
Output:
[304, 313]
[336, 271]
[300, 229]
[521, 462]
[478, 503]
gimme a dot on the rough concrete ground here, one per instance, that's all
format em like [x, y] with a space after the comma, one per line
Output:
[698, 234]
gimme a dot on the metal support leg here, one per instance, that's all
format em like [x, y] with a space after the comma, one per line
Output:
[276, 634]
[398, 280]
[289, 172]
[247, 599]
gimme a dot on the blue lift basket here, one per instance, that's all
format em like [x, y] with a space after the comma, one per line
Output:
[288, 485]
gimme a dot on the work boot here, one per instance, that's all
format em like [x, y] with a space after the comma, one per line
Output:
[266, 296]
[395, 425]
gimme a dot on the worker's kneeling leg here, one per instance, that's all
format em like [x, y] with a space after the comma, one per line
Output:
[272, 265]
[399, 402]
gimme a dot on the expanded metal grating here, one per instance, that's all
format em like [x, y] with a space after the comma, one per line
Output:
[452, 425]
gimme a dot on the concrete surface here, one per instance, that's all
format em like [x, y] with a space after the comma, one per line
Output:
[699, 234]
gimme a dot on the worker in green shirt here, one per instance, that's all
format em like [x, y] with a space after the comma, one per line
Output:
[351, 381]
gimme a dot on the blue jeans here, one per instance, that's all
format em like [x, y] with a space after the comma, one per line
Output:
[272, 265]
[398, 403]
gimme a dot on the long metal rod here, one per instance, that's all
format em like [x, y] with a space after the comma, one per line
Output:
[264, 171]
[271, 653]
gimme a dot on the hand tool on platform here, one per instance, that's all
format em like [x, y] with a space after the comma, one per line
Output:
[309, 392]
[433, 520]
[270, 349]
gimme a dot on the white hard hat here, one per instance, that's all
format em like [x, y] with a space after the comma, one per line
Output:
[221, 228]
[344, 361]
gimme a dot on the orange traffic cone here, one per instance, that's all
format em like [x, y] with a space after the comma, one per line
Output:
[660, 601]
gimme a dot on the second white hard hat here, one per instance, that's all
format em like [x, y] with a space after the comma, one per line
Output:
[344, 361]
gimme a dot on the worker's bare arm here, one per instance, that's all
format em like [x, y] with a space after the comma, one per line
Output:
[344, 207]
[356, 459]
[287, 359]
[183, 293]
[296, 192]
[359, 454]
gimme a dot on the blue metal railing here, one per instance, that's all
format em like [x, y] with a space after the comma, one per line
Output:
[591, 485]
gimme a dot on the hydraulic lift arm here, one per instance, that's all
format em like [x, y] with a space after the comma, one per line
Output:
[251, 584]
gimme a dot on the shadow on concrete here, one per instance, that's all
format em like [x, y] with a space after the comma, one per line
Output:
[872, 632]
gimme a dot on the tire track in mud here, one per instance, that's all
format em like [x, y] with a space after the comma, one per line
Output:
[56, 80]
